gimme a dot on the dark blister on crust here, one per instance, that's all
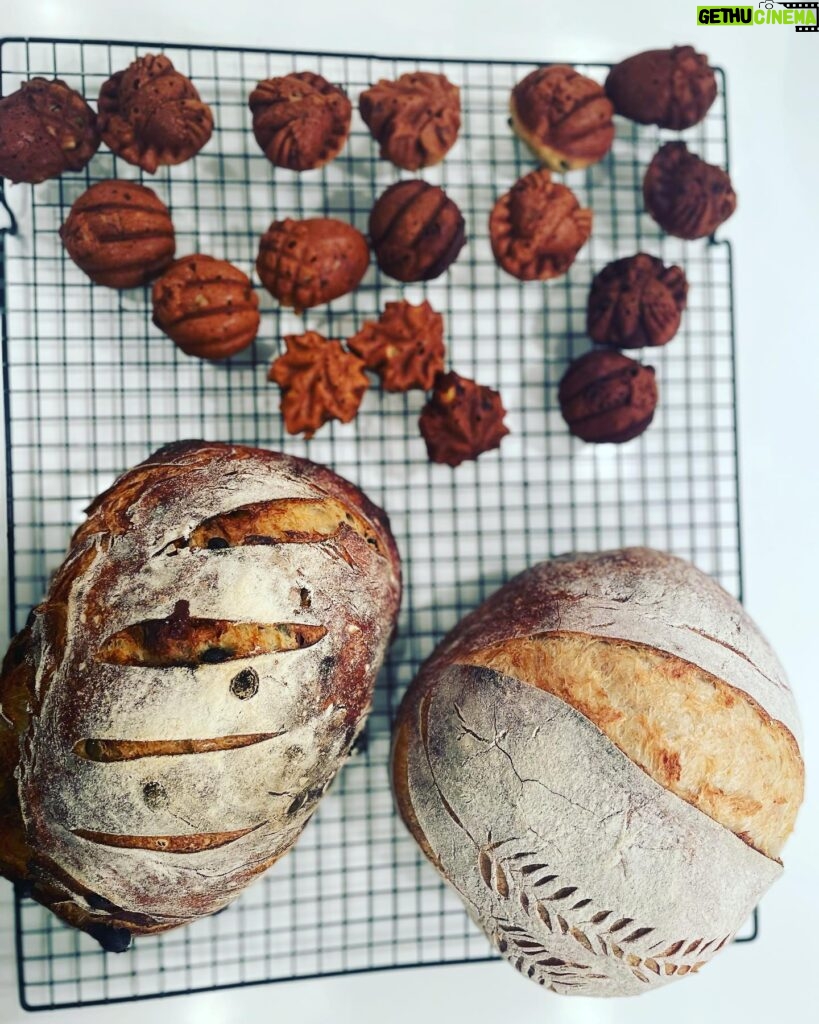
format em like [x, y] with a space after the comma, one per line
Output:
[120, 234]
[46, 128]
[672, 88]
[300, 121]
[416, 231]
[606, 397]
[686, 196]
[635, 302]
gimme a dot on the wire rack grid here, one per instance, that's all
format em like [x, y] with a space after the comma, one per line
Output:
[90, 388]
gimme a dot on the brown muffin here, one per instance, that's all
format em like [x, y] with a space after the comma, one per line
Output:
[415, 119]
[405, 346]
[686, 196]
[563, 117]
[120, 233]
[461, 420]
[206, 306]
[150, 114]
[538, 228]
[320, 381]
[305, 263]
[635, 302]
[46, 128]
[301, 120]
[670, 88]
[607, 397]
[416, 231]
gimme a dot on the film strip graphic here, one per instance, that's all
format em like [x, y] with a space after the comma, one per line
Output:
[802, 7]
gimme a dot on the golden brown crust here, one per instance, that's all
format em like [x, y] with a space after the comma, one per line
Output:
[150, 114]
[405, 346]
[206, 306]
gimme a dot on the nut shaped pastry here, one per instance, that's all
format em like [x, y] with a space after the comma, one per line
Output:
[635, 302]
[46, 128]
[120, 234]
[320, 382]
[564, 117]
[188, 689]
[416, 231]
[405, 346]
[151, 115]
[415, 119]
[206, 306]
[301, 121]
[670, 88]
[461, 420]
[538, 227]
[305, 263]
[686, 196]
[605, 397]
[603, 761]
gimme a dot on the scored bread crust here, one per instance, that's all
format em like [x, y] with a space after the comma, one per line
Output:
[149, 789]
[586, 872]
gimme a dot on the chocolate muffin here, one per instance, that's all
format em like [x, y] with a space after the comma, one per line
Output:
[415, 119]
[305, 263]
[670, 88]
[563, 117]
[607, 397]
[120, 234]
[150, 114]
[636, 302]
[686, 196]
[416, 231]
[206, 306]
[538, 227]
[46, 128]
[461, 420]
[301, 120]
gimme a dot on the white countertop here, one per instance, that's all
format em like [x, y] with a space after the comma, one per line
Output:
[773, 89]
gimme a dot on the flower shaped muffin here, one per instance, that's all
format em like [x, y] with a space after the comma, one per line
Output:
[461, 420]
[319, 382]
[305, 263]
[670, 88]
[416, 231]
[564, 117]
[405, 346]
[301, 120]
[150, 114]
[538, 227]
[46, 128]
[120, 233]
[607, 397]
[635, 302]
[686, 196]
[415, 119]
[206, 306]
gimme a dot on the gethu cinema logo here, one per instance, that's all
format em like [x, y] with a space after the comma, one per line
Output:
[763, 14]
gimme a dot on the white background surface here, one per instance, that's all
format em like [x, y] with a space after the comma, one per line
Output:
[773, 86]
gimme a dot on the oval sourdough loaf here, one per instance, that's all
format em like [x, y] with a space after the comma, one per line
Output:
[602, 760]
[182, 698]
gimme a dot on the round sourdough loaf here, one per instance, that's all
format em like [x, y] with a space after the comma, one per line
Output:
[603, 761]
[178, 704]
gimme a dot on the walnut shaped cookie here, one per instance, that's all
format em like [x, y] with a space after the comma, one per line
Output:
[301, 121]
[415, 119]
[538, 227]
[686, 196]
[320, 382]
[151, 115]
[635, 302]
[461, 420]
[564, 117]
[607, 397]
[672, 88]
[405, 346]
[46, 128]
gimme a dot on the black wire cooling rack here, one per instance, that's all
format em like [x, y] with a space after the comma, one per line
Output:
[90, 388]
